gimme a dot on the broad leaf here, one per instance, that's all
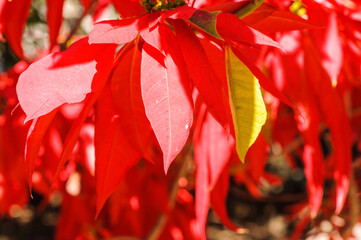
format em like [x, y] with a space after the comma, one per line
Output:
[63, 77]
[247, 106]
[167, 102]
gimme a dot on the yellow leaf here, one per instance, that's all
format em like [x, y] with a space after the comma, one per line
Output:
[246, 102]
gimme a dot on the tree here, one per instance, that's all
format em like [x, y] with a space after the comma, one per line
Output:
[172, 98]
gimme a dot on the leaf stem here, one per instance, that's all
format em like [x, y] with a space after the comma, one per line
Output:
[248, 9]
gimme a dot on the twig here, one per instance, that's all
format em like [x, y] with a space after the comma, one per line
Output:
[163, 217]
[76, 25]
[284, 198]
[248, 9]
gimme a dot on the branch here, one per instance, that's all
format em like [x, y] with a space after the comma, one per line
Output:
[182, 172]
[76, 25]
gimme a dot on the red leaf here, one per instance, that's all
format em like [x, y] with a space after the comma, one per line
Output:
[202, 189]
[34, 139]
[63, 77]
[149, 30]
[256, 157]
[98, 81]
[13, 20]
[312, 154]
[2, 7]
[149, 24]
[328, 41]
[127, 98]
[182, 12]
[114, 155]
[167, 100]
[335, 115]
[212, 152]
[202, 73]
[73, 134]
[114, 31]
[269, 19]
[220, 145]
[219, 198]
[232, 29]
[54, 18]
[129, 8]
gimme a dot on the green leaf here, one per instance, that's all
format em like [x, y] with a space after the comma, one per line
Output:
[246, 102]
[205, 21]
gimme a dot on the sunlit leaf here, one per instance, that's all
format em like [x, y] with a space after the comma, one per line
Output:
[247, 106]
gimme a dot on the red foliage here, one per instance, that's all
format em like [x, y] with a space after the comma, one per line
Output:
[124, 119]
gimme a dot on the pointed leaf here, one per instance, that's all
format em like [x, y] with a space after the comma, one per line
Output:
[73, 135]
[247, 106]
[201, 71]
[36, 133]
[114, 156]
[127, 98]
[213, 148]
[336, 118]
[167, 102]
[270, 19]
[233, 29]
[149, 30]
[312, 153]
[54, 18]
[219, 198]
[202, 186]
[13, 20]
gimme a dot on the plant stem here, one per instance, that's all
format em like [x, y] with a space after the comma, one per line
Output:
[354, 207]
[161, 222]
[248, 9]
[76, 25]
